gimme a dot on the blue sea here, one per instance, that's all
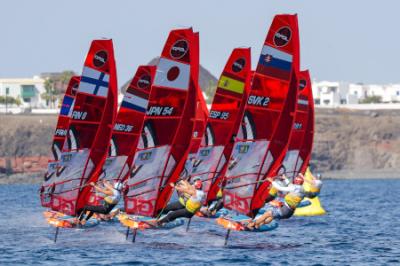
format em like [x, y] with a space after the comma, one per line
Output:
[362, 227]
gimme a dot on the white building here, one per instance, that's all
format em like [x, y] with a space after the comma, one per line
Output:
[329, 94]
[375, 90]
[358, 91]
[388, 93]
[333, 94]
[27, 90]
[392, 93]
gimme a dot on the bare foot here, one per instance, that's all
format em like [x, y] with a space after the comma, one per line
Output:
[153, 223]
[250, 225]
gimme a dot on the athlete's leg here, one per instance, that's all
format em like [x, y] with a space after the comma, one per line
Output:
[173, 206]
[171, 216]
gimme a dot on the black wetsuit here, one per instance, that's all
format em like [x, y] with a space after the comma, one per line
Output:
[217, 206]
[103, 209]
[175, 210]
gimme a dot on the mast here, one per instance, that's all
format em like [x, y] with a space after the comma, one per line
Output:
[293, 160]
[200, 122]
[306, 148]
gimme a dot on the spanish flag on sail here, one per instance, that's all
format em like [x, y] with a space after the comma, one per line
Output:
[230, 85]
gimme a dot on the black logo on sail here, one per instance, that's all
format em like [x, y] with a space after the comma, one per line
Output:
[238, 65]
[144, 81]
[179, 49]
[302, 84]
[100, 58]
[282, 36]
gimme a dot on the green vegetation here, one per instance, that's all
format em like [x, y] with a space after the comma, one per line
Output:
[372, 99]
[10, 100]
[55, 86]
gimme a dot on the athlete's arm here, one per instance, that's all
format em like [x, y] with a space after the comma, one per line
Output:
[108, 185]
[105, 191]
[185, 187]
[282, 188]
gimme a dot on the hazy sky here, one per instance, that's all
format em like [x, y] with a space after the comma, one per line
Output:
[347, 40]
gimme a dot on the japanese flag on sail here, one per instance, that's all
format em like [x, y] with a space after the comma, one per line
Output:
[172, 74]
[94, 82]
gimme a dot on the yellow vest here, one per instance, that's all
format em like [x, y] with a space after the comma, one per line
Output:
[293, 200]
[110, 200]
[313, 189]
[273, 192]
[310, 187]
[189, 204]
[183, 199]
[219, 194]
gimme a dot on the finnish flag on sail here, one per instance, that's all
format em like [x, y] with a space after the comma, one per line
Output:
[94, 82]
[172, 74]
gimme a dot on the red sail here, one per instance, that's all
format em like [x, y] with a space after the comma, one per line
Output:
[89, 131]
[128, 127]
[294, 159]
[199, 127]
[224, 120]
[58, 140]
[168, 125]
[268, 117]
[306, 148]
[200, 123]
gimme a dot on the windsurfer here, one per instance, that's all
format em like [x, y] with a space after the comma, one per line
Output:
[273, 192]
[295, 194]
[113, 195]
[215, 205]
[312, 185]
[188, 204]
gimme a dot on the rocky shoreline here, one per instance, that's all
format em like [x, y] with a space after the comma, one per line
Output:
[36, 178]
[347, 144]
[370, 174]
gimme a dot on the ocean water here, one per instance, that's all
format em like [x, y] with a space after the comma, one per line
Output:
[362, 227]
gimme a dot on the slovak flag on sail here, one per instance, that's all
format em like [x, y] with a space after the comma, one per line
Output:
[275, 63]
[135, 100]
[94, 82]
[172, 74]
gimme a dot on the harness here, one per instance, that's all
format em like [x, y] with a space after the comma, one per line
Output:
[190, 205]
[292, 200]
[114, 199]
